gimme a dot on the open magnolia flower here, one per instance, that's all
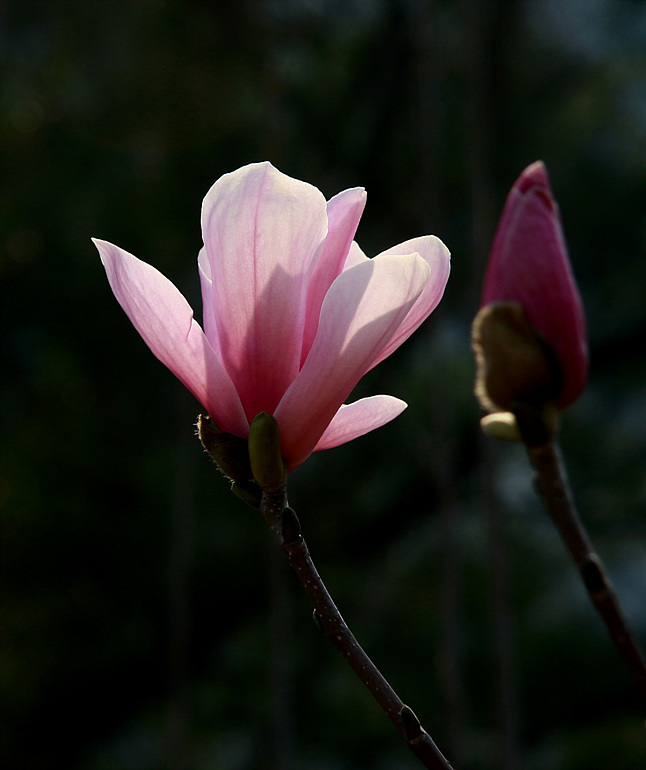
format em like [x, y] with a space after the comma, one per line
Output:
[294, 312]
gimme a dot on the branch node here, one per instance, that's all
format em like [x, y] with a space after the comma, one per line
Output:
[593, 576]
[290, 527]
[318, 621]
[411, 724]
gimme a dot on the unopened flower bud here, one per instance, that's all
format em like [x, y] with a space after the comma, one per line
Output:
[529, 265]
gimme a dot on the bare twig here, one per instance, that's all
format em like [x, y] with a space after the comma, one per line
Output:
[284, 522]
[552, 485]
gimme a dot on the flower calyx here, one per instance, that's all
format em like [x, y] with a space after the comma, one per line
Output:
[265, 458]
[231, 454]
[518, 376]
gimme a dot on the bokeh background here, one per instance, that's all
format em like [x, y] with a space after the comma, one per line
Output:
[148, 620]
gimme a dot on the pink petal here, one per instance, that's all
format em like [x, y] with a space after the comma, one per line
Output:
[344, 212]
[209, 315]
[439, 260]
[362, 311]
[164, 319]
[355, 256]
[360, 417]
[262, 234]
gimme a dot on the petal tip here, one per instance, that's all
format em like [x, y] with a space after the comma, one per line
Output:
[535, 175]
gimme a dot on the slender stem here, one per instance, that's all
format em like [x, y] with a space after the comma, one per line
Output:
[281, 665]
[285, 524]
[553, 487]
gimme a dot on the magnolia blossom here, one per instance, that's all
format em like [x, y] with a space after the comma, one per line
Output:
[294, 313]
[529, 265]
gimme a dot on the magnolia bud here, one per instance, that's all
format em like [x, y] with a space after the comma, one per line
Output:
[529, 265]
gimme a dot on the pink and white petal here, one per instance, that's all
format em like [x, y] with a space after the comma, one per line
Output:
[262, 233]
[360, 417]
[344, 212]
[209, 321]
[360, 314]
[164, 319]
[438, 258]
[355, 256]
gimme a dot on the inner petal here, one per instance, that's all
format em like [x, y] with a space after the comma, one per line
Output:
[262, 234]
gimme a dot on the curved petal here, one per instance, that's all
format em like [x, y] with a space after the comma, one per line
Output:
[343, 212]
[361, 313]
[360, 417]
[262, 234]
[164, 319]
[439, 260]
[209, 321]
[355, 256]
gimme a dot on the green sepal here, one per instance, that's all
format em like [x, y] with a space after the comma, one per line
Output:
[248, 491]
[230, 453]
[264, 451]
[515, 364]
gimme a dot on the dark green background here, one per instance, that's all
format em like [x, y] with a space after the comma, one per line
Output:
[148, 620]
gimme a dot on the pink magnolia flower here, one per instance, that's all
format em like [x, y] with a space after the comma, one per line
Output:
[294, 313]
[529, 265]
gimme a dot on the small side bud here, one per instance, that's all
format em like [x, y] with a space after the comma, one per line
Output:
[411, 724]
[318, 622]
[594, 576]
[514, 363]
[229, 452]
[290, 527]
[264, 451]
[501, 425]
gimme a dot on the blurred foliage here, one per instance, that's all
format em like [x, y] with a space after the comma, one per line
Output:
[147, 621]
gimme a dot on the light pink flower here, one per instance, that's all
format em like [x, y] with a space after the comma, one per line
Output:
[294, 313]
[529, 265]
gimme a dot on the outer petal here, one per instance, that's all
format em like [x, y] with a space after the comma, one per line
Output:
[262, 234]
[353, 420]
[355, 256]
[209, 315]
[529, 265]
[164, 319]
[344, 212]
[361, 313]
[439, 259]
